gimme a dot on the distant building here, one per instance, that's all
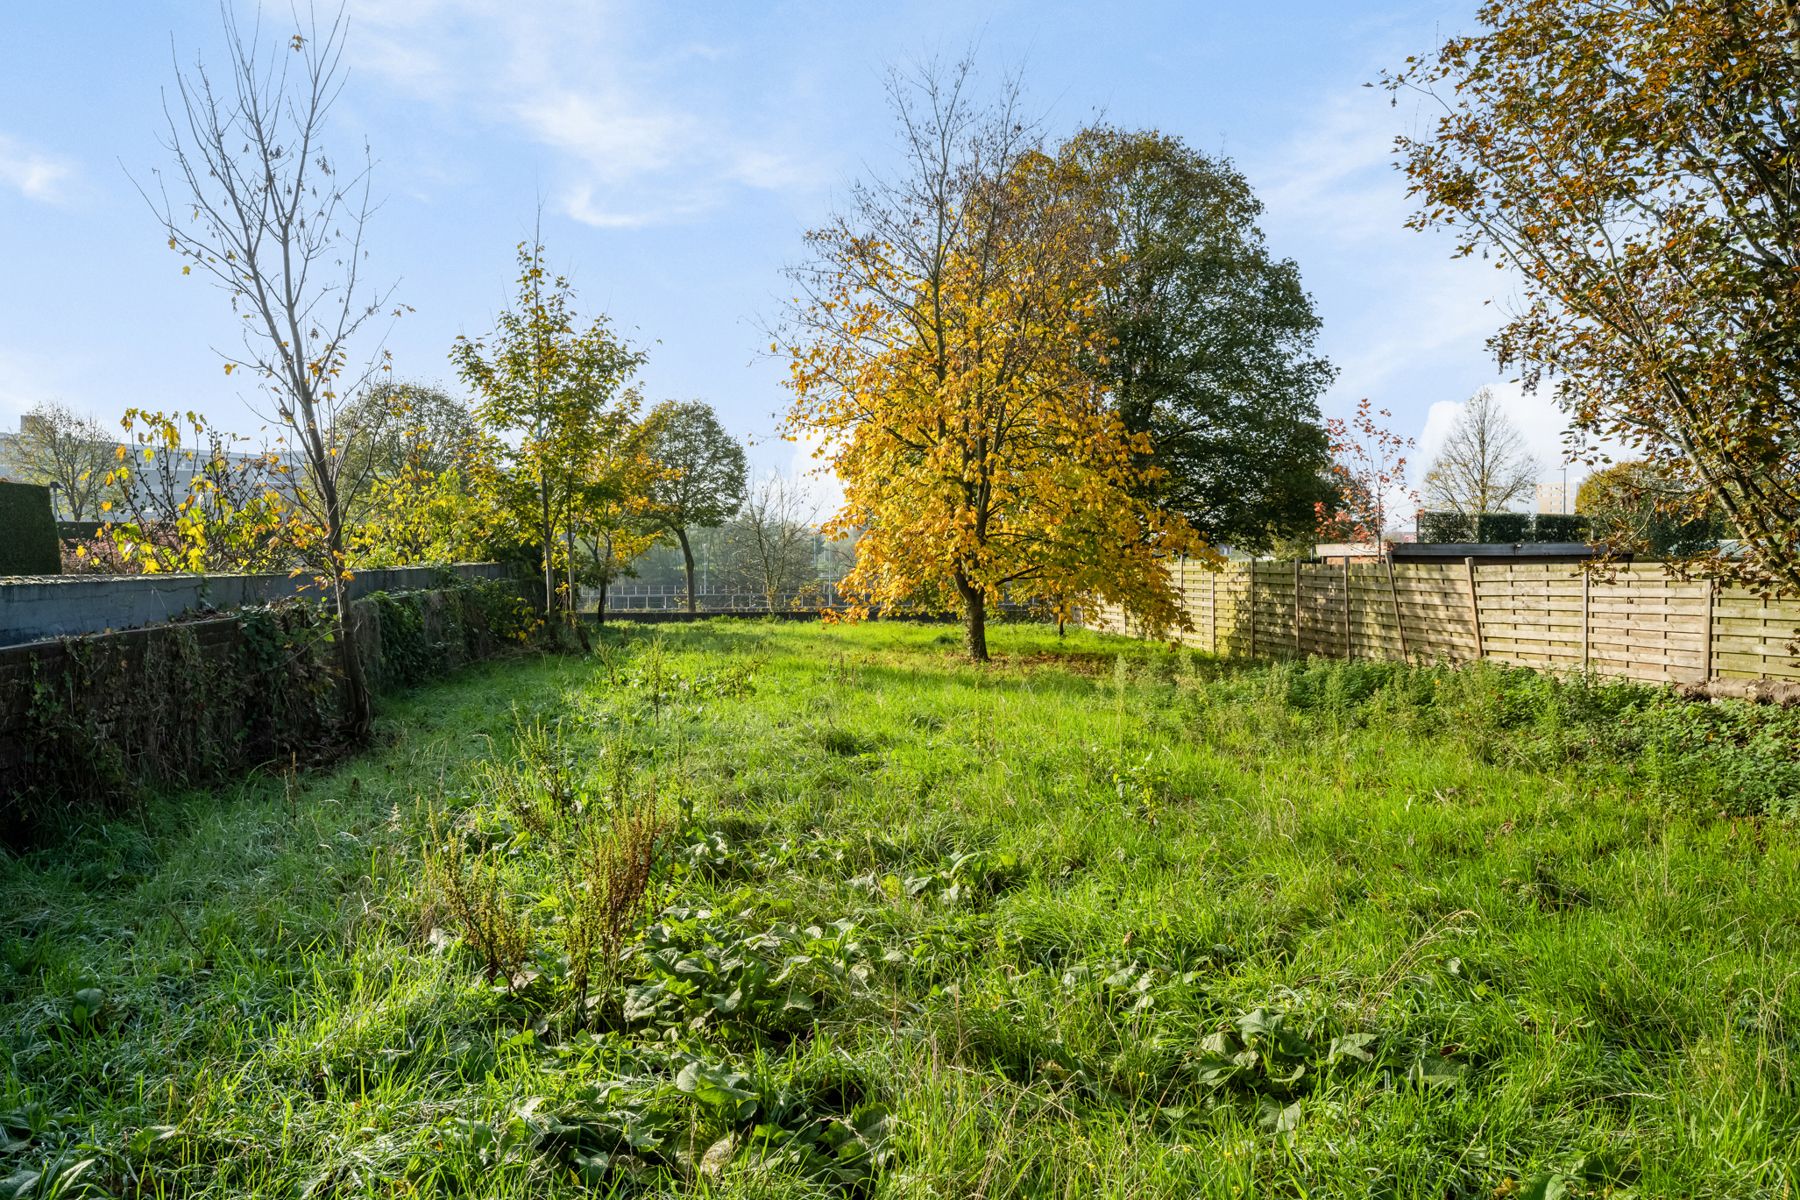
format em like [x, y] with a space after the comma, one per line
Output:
[1555, 498]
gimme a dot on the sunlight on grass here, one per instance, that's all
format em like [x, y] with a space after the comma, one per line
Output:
[1100, 920]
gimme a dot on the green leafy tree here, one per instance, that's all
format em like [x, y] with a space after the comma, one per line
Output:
[554, 393]
[701, 480]
[1209, 338]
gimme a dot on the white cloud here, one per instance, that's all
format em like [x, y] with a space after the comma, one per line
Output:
[637, 136]
[33, 174]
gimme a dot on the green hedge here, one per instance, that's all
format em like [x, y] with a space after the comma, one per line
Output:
[28, 541]
[1445, 527]
[1560, 527]
[1503, 528]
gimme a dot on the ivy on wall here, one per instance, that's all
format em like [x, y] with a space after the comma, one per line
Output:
[87, 723]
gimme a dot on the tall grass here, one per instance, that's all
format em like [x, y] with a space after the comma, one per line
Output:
[754, 909]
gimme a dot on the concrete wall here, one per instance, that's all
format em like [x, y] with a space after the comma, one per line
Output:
[32, 609]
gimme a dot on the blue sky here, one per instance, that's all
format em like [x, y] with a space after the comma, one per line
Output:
[680, 150]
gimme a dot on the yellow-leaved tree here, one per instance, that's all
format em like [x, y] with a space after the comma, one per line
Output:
[936, 356]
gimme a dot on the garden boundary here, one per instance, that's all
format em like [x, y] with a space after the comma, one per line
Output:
[87, 722]
[1633, 621]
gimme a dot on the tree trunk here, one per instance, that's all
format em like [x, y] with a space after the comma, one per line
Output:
[569, 547]
[361, 708]
[549, 553]
[687, 563]
[600, 609]
[974, 619]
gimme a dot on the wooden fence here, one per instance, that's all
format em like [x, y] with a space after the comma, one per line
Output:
[1634, 621]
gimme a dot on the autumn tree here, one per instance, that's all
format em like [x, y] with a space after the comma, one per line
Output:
[940, 354]
[1484, 466]
[616, 523]
[425, 506]
[69, 452]
[554, 392]
[262, 209]
[399, 425]
[701, 476]
[1634, 160]
[1368, 472]
[1209, 339]
[1640, 507]
[184, 495]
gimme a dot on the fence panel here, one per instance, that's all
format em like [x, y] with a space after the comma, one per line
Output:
[1635, 621]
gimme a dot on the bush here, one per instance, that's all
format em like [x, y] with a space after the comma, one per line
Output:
[28, 542]
[1503, 528]
[1445, 527]
[1559, 527]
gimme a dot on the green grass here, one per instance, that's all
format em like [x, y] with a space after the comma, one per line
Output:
[1099, 920]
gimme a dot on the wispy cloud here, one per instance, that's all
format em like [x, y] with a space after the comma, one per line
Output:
[636, 135]
[34, 174]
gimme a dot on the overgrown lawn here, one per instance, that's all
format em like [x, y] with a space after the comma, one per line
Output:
[1101, 919]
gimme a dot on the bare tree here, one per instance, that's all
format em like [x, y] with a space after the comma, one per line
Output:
[276, 222]
[771, 539]
[1484, 465]
[72, 453]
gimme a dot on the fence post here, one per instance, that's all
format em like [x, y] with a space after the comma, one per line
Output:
[1349, 648]
[1706, 640]
[1299, 651]
[1475, 609]
[1251, 592]
[1212, 608]
[1586, 618]
[1399, 621]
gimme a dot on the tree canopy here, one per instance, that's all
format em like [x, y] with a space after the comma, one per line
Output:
[944, 353]
[1634, 160]
[1639, 507]
[1484, 466]
[558, 390]
[1207, 339]
[58, 446]
[700, 481]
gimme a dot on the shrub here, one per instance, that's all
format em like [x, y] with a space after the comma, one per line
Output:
[28, 542]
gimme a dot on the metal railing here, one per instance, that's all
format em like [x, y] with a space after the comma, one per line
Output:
[631, 597]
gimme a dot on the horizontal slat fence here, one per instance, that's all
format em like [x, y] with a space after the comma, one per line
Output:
[1634, 621]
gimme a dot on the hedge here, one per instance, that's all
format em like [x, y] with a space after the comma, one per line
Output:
[1445, 527]
[1503, 528]
[1560, 527]
[89, 723]
[28, 541]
